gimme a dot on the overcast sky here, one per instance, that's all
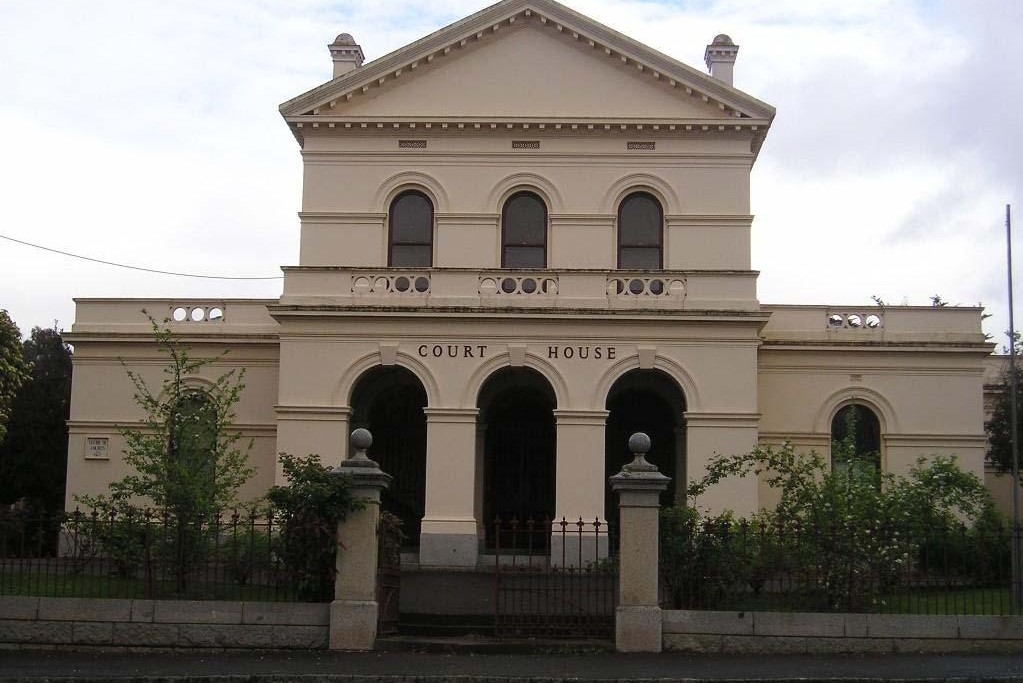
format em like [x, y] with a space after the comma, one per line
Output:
[147, 132]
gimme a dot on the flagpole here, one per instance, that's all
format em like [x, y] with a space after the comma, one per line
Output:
[1017, 555]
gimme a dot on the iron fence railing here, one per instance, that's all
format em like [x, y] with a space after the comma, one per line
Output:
[237, 556]
[553, 579]
[744, 567]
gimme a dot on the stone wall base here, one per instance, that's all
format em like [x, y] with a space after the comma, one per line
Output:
[163, 624]
[797, 633]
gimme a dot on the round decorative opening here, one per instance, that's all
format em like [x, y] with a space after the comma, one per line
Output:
[529, 285]
[835, 320]
[873, 321]
[657, 287]
[488, 286]
[855, 321]
[402, 284]
[636, 286]
[508, 285]
[381, 284]
[216, 314]
[198, 314]
[422, 284]
[180, 315]
[677, 288]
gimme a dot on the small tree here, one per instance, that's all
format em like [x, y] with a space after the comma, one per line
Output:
[999, 427]
[186, 459]
[14, 370]
[33, 458]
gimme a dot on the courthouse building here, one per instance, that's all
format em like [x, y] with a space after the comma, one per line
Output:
[524, 237]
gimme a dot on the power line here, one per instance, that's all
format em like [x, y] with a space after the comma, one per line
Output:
[130, 267]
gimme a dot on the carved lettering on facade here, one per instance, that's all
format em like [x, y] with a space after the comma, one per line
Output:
[452, 350]
[582, 352]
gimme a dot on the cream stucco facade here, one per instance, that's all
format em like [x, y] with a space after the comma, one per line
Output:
[498, 389]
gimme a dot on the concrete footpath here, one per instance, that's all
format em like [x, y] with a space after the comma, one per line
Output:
[326, 667]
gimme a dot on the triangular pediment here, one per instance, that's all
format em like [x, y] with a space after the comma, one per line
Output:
[527, 59]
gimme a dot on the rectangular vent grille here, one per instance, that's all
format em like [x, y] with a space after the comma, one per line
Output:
[411, 144]
[525, 144]
[641, 145]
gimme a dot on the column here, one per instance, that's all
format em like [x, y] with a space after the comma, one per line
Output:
[354, 612]
[313, 429]
[710, 434]
[449, 536]
[579, 490]
[638, 625]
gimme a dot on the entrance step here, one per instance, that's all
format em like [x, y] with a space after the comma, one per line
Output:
[470, 645]
[446, 625]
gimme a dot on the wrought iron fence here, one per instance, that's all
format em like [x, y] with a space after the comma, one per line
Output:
[554, 579]
[238, 556]
[759, 567]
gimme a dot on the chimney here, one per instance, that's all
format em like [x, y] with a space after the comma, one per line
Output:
[720, 57]
[346, 53]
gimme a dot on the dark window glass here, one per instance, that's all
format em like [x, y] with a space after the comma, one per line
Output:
[524, 232]
[856, 441]
[640, 233]
[411, 231]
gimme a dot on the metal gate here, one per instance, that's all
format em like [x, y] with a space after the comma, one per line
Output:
[554, 579]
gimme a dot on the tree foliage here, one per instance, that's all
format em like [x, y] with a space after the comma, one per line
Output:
[14, 371]
[999, 427]
[309, 508]
[186, 458]
[33, 457]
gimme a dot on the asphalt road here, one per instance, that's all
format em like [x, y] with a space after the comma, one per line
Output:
[314, 667]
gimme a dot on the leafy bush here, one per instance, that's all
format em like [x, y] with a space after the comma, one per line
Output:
[309, 509]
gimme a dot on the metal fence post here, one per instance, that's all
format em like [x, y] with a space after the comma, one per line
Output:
[638, 626]
[354, 612]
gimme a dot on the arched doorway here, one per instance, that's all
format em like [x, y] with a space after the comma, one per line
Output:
[389, 402]
[646, 401]
[519, 446]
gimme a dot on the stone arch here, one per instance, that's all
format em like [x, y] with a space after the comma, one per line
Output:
[525, 182]
[641, 182]
[872, 399]
[412, 180]
[193, 383]
[351, 377]
[669, 367]
[484, 371]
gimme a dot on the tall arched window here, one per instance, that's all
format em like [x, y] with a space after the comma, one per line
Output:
[856, 440]
[524, 232]
[410, 243]
[640, 233]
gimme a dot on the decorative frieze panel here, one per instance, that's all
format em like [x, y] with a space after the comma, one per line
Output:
[400, 283]
[191, 313]
[518, 285]
[850, 320]
[639, 286]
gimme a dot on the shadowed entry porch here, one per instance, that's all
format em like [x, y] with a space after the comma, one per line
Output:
[389, 401]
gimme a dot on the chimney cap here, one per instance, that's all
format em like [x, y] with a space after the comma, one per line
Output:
[719, 39]
[344, 39]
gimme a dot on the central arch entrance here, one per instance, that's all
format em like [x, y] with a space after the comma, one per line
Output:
[519, 442]
[389, 402]
[646, 401]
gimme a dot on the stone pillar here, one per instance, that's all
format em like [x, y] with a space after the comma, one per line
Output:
[579, 490]
[353, 614]
[449, 535]
[639, 485]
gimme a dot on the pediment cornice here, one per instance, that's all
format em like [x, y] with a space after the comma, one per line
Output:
[320, 103]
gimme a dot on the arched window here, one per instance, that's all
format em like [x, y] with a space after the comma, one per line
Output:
[640, 233]
[191, 482]
[524, 232]
[856, 440]
[410, 243]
